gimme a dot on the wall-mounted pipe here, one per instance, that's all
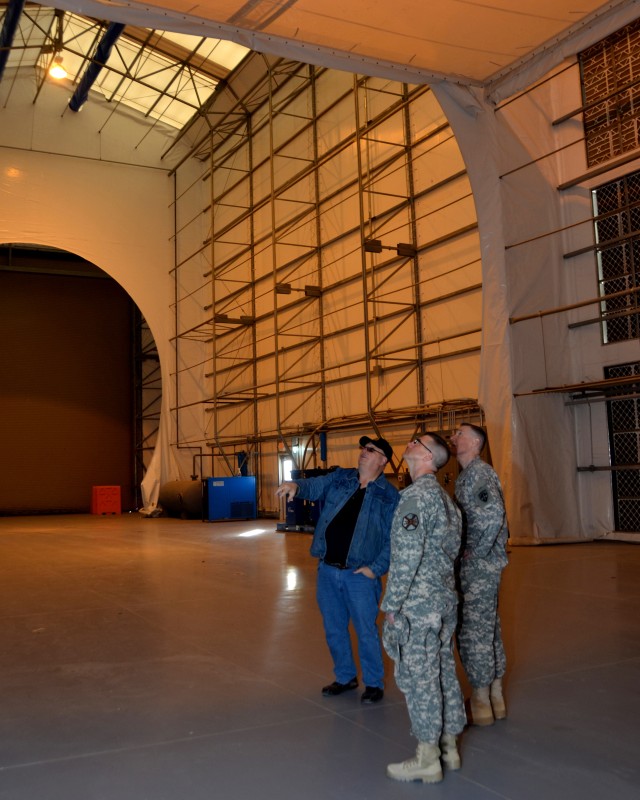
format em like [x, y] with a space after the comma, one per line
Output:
[101, 57]
[9, 28]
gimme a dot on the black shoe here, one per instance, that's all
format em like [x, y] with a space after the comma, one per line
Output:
[338, 688]
[372, 694]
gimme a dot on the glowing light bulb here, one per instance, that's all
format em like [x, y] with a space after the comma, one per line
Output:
[57, 70]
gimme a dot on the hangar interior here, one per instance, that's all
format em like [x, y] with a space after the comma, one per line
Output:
[236, 237]
[355, 242]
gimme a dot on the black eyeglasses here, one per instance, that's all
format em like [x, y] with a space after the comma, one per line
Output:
[417, 441]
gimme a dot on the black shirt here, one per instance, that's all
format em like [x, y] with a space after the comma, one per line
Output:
[340, 530]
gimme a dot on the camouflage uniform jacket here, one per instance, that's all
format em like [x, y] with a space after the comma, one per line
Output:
[479, 495]
[425, 540]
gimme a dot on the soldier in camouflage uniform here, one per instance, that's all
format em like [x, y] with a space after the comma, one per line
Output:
[483, 557]
[420, 604]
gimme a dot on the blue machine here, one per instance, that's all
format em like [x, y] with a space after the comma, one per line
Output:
[229, 498]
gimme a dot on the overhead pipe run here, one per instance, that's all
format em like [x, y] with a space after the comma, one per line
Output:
[9, 28]
[103, 51]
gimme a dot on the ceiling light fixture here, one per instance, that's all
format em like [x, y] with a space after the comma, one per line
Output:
[56, 70]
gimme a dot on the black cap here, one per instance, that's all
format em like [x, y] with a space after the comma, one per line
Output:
[381, 444]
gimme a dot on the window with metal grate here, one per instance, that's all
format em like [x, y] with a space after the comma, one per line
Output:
[624, 439]
[616, 209]
[610, 77]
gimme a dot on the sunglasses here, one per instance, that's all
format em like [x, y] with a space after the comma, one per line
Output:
[371, 449]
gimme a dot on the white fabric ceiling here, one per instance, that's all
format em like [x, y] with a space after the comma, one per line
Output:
[418, 41]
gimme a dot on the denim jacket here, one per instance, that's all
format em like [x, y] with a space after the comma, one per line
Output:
[370, 546]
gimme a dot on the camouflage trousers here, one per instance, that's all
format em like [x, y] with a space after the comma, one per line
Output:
[479, 633]
[425, 671]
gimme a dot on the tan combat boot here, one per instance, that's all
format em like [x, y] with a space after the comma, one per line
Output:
[449, 750]
[497, 700]
[481, 712]
[424, 766]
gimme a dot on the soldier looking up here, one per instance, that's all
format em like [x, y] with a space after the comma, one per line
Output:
[479, 495]
[420, 603]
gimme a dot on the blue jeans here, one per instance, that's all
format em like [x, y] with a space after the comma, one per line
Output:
[343, 596]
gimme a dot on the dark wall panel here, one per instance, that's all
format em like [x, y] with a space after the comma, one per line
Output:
[65, 392]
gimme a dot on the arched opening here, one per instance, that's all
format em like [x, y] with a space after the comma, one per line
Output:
[81, 388]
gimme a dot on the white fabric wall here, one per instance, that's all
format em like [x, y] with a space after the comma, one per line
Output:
[532, 440]
[516, 159]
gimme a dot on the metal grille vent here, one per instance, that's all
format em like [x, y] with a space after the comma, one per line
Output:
[242, 509]
[608, 70]
[624, 433]
[617, 229]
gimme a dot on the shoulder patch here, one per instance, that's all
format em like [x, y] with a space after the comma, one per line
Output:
[482, 493]
[410, 522]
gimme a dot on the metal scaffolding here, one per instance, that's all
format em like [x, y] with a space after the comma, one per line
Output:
[307, 287]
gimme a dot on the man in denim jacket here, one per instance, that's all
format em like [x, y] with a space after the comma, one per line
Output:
[352, 543]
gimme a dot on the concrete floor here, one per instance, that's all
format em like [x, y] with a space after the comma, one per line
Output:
[161, 659]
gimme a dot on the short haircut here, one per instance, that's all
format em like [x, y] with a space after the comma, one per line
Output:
[478, 432]
[439, 448]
